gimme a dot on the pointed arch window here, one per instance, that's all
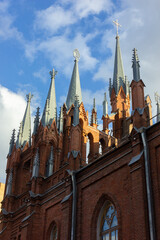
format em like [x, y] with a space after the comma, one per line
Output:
[109, 223]
[53, 235]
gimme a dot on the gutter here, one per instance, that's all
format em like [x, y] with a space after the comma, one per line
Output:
[74, 204]
[152, 228]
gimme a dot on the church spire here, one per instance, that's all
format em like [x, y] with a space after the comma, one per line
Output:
[26, 123]
[135, 66]
[75, 87]
[24, 134]
[118, 74]
[50, 112]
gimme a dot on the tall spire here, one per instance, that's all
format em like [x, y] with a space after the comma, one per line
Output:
[24, 134]
[118, 74]
[135, 66]
[75, 87]
[50, 111]
[26, 123]
[12, 142]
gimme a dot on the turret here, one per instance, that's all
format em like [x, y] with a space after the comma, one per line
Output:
[75, 87]
[135, 66]
[105, 105]
[60, 127]
[137, 85]
[12, 142]
[50, 109]
[94, 115]
[36, 122]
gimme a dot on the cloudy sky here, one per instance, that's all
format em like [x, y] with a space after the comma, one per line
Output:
[36, 36]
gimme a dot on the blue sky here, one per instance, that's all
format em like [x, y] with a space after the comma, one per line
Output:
[36, 36]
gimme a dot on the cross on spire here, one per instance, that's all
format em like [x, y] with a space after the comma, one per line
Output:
[117, 25]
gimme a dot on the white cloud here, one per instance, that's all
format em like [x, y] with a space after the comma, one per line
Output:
[59, 51]
[53, 18]
[12, 108]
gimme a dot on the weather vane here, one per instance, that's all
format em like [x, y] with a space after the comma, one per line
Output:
[157, 97]
[53, 73]
[76, 54]
[117, 25]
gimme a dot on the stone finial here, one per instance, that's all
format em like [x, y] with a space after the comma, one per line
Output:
[53, 73]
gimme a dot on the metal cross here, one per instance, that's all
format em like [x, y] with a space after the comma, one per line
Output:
[117, 25]
[53, 73]
[157, 97]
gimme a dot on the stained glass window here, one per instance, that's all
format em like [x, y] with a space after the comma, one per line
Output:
[109, 223]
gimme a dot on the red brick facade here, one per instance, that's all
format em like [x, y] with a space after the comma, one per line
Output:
[41, 207]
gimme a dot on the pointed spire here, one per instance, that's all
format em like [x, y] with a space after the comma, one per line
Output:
[36, 163]
[36, 122]
[135, 66]
[105, 105]
[12, 142]
[118, 75]
[50, 111]
[74, 88]
[9, 183]
[50, 162]
[61, 121]
[24, 135]
[94, 114]
[76, 112]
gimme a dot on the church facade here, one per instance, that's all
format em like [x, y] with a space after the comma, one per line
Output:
[70, 180]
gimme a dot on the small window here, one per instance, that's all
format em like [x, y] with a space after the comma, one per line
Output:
[109, 224]
[53, 235]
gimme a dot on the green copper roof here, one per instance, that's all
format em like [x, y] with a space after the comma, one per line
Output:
[75, 87]
[135, 66]
[24, 134]
[118, 75]
[50, 112]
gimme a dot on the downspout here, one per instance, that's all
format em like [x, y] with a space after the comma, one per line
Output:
[74, 204]
[148, 185]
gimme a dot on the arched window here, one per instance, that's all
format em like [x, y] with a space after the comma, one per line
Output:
[109, 223]
[53, 235]
[89, 147]
[100, 148]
